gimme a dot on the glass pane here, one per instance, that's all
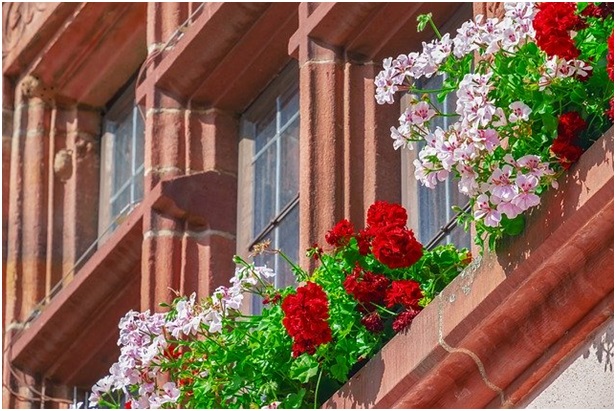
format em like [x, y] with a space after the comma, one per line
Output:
[140, 141]
[289, 167]
[265, 130]
[289, 105]
[122, 154]
[265, 189]
[288, 242]
[120, 203]
[432, 211]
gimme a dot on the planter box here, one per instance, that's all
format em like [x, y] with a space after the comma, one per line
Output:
[510, 321]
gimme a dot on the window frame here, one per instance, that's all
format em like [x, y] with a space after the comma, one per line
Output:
[287, 81]
[119, 110]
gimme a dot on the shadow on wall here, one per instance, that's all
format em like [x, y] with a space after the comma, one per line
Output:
[603, 348]
[368, 381]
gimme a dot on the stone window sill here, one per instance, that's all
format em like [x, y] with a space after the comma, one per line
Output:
[506, 325]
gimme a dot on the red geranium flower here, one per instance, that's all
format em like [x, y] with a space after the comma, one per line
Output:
[567, 152]
[396, 247]
[366, 287]
[570, 125]
[552, 24]
[373, 322]
[404, 292]
[340, 235]
[363, 242]
[601, 11]
[305, 318]
[404, 319]
[382, 214]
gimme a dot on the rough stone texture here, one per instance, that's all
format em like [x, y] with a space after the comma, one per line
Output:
[588, 381]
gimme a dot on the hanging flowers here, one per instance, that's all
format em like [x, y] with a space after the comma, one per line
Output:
[527, 108]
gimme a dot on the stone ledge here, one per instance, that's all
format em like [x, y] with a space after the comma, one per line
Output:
[497, 331]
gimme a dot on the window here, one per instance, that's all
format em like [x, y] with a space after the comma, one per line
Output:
[121, 161]
[269, 180]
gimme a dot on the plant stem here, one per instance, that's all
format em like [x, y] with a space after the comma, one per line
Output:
[316, 389]
[438, 33]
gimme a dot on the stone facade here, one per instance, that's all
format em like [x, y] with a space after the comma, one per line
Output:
[502, 329]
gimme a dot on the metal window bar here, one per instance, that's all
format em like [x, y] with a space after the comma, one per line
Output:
[445, 230]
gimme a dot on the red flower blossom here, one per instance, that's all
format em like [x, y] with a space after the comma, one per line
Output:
[382, 214]
[128, 405]
[272, 299]
[373, 322]
[610, 111]
[366, 287]
[404, 319]
[601, 11]
[340, 235]
[404, 292]
[570, 125]
[363, 242]
[552, 24]
[305, 318]
[396, 247]
[610, 56]
[567, 152]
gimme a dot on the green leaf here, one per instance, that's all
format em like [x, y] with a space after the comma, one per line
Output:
[513, 226]
[423, 20]
[304, 368]
[294, 400]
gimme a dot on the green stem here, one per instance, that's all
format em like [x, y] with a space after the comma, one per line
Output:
[316, 389]
[438, 33]
[429, 91]
[295, 267]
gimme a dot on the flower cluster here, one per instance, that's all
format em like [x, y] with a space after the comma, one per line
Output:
[394, 246]
[537, 66]
[305, 318]
[143, 346]
[146, 341]
[210, 354]
[553, 23]
[388, 238]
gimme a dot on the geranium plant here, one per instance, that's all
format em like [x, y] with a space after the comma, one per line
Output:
[307, 340]
[533, 91]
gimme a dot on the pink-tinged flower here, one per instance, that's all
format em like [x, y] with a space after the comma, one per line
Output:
[509, 208]
[526, 198]
[487, 138]
[501, 118]
[519, 111]
[468, 184]
[421, 113]
[428, 172]
[400, 140]
[500, 184]
[490, 216]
